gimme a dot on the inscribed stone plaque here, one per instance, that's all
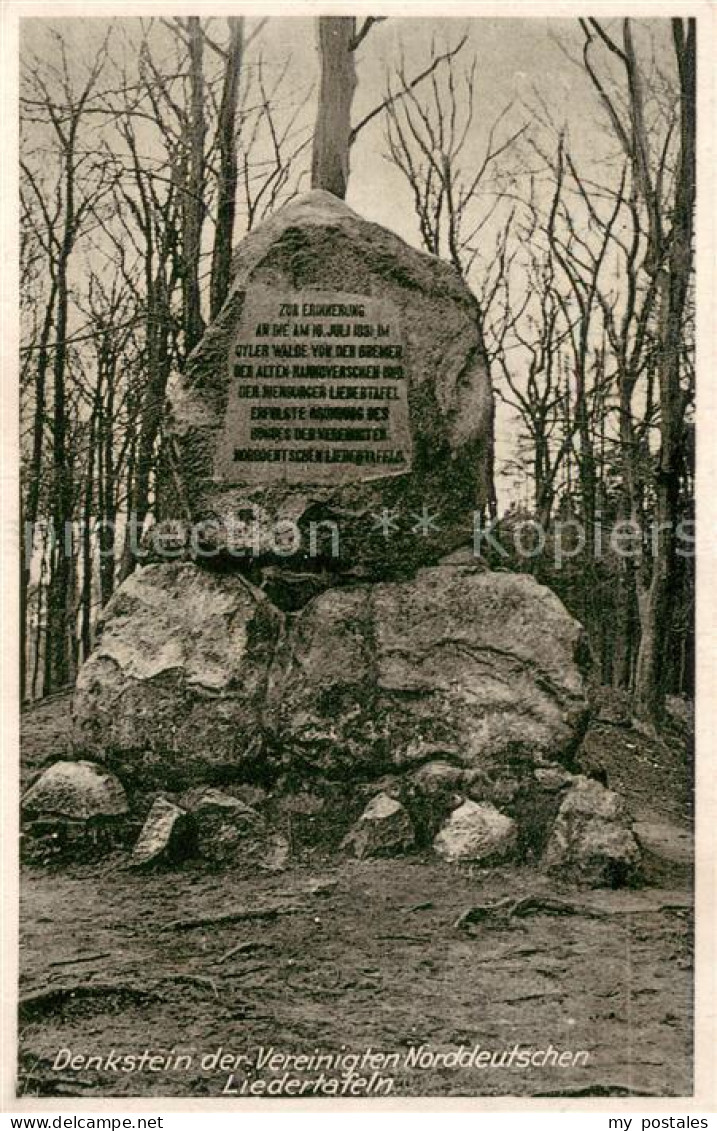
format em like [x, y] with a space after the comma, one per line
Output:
[317, 391]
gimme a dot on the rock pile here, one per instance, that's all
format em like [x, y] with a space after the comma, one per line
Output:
[590, 842]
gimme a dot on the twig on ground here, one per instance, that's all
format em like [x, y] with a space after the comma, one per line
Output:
[239, 915]
[82, 958]
[241, 948]
[508, 908]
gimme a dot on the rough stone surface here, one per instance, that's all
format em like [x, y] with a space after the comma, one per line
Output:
[272, 854]
[477, 832]
[430, 793]
[383, 829]
[252, 795]
[301, 804]
[175, 688]
[592, 841]
[552, 779]
[668, 852]
[166, 835]
[316, 243]
[206, 800]
[167, 541]
[479, 668]
[79, 791]
[436, 778]
[226, 829]
[196, 679]
[672, 843]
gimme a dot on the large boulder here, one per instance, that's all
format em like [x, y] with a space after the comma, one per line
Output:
[230, 833]
[73, 809]
[592, 841]
[668, 853]
[77, 791]
[174, 691]
[272, 423]
[477, 832]
[479, 669]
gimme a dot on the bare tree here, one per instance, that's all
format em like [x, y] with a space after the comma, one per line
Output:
[534, 387]
[428, 135]
[227, 177]
[334, 135]
[430, 127]
[193, 181]
[61, 106]
[668, 260]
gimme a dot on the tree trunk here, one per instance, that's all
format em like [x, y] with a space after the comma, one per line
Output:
[59, 591]
[332, 135]
[194, 189]
[87, 525]
[656, 603]
[227, 177]
[41, 641]
[106, 493]
[30, 511]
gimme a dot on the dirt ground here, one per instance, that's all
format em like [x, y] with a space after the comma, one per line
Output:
[335, 955]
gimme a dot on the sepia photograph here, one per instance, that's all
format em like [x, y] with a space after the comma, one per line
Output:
[357, 434]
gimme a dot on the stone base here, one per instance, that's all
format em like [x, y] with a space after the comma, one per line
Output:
[459, 691]
[198, 679]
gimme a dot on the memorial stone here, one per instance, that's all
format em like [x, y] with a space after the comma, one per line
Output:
[337, 414]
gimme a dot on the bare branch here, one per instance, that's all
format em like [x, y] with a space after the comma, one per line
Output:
[442, 58]
[365, 29]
